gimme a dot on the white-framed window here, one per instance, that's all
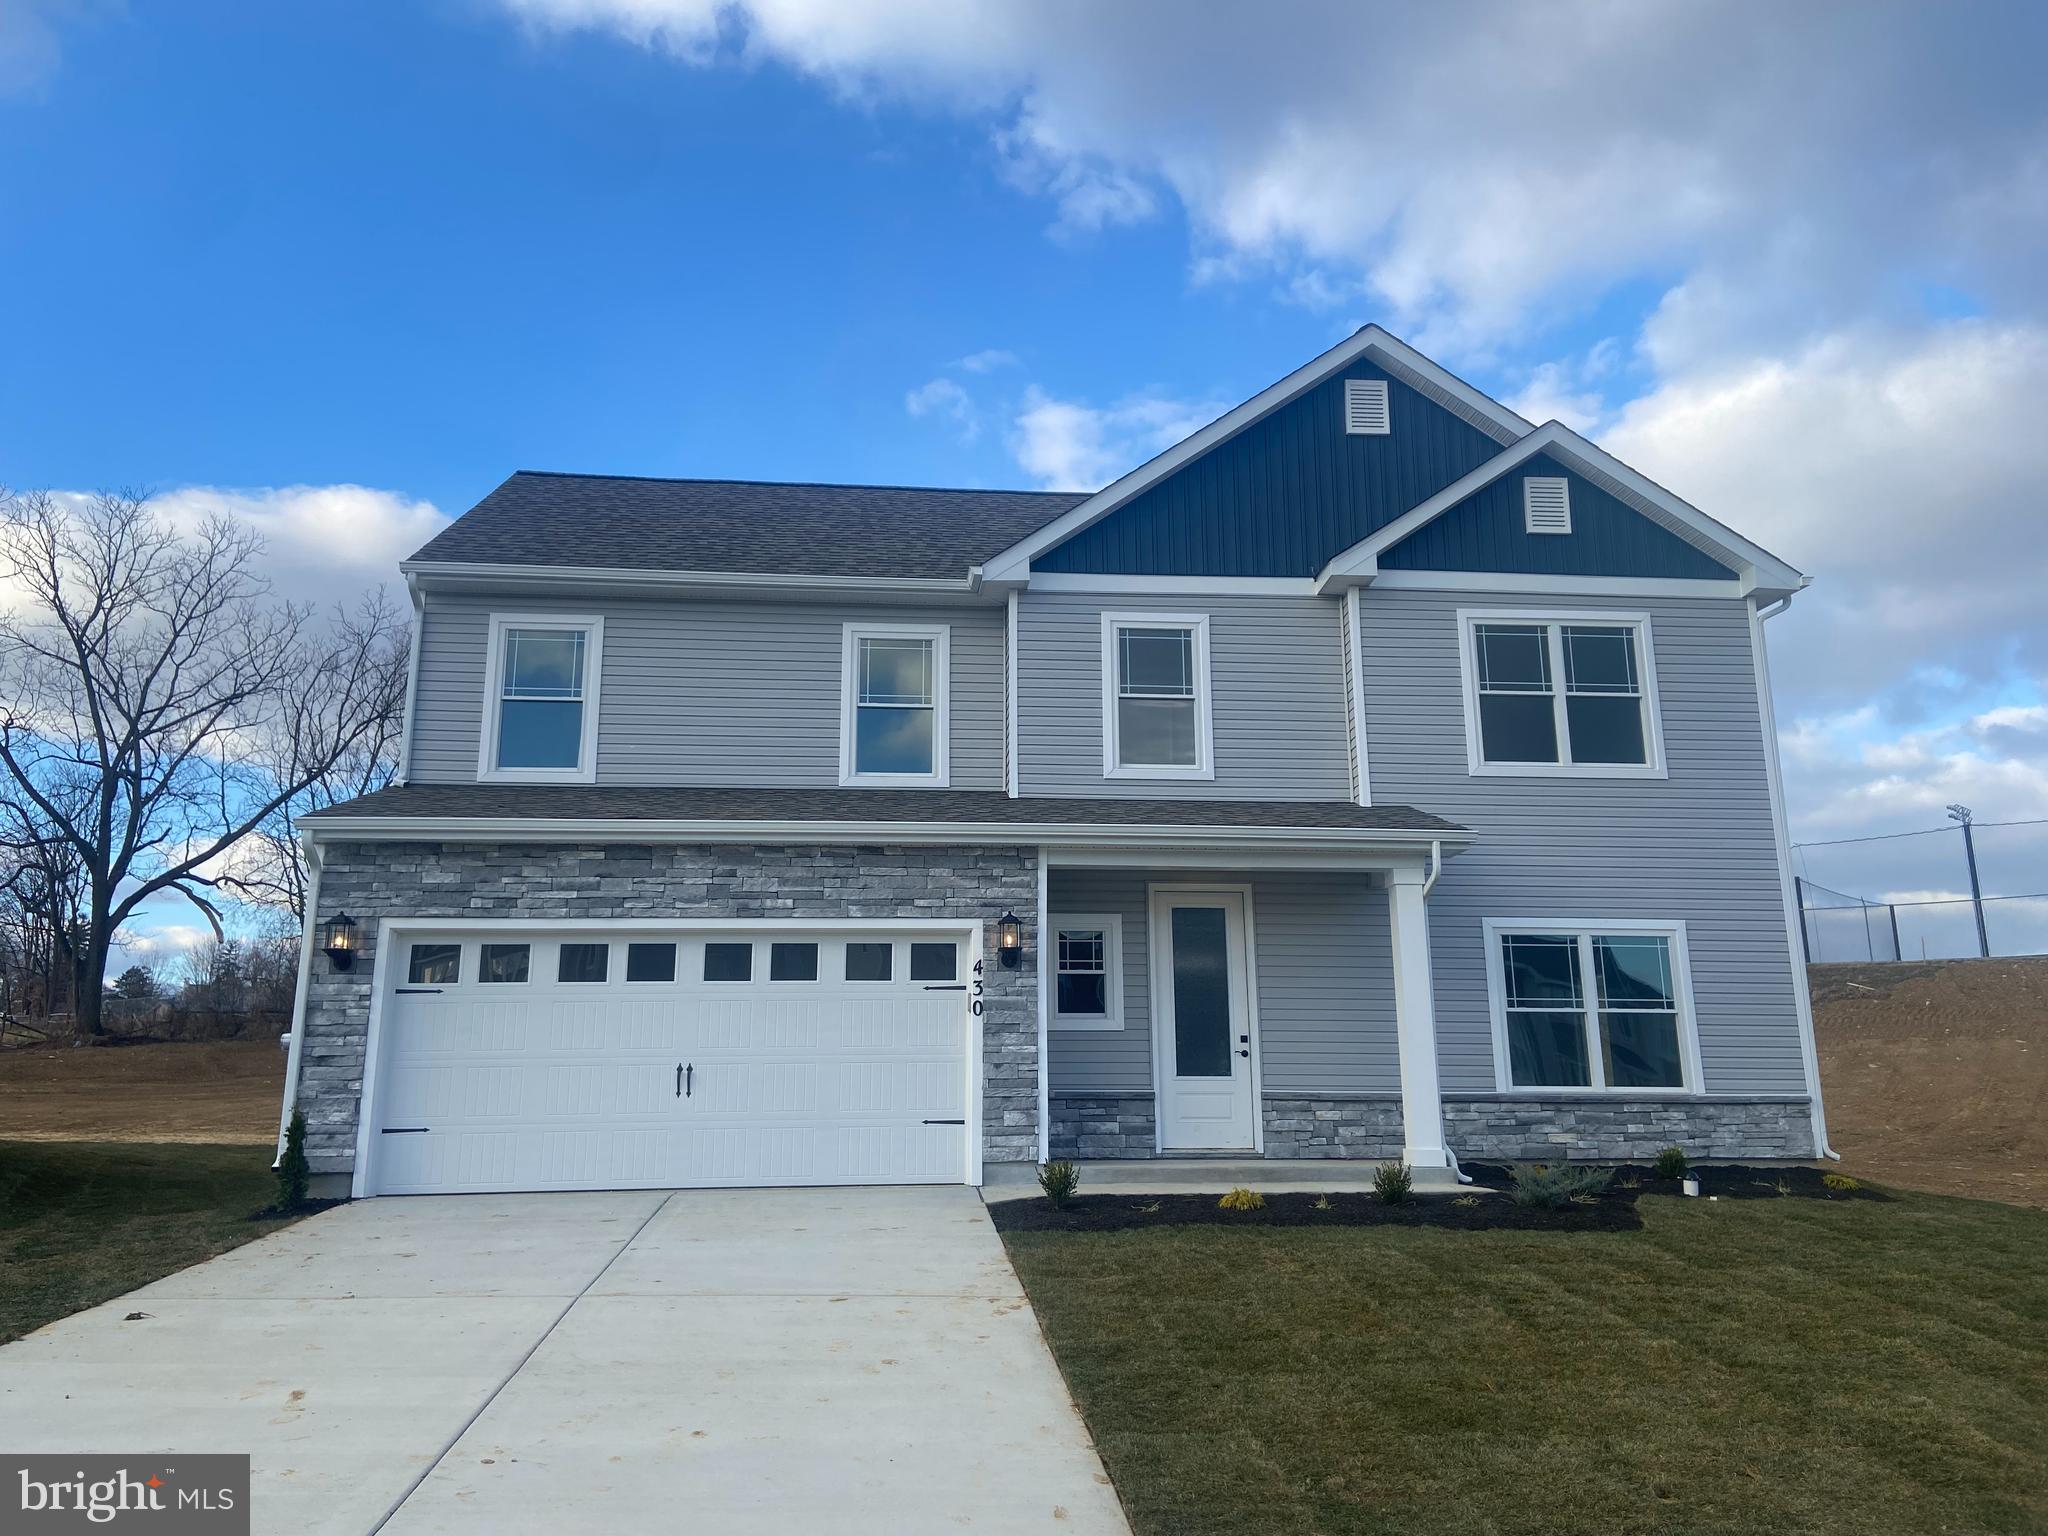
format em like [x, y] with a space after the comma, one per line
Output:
[1560, 693]
[1155, 697]
[1088, 971]
[893, 709]
[1591, 1006]
[540, 699]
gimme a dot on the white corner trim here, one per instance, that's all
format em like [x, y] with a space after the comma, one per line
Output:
[1112, 926]
[1758, 567]
[296, 1052]
[412, 681]
[1354, 649]
[1014, 563]
[1044, 1014]
[1646, 660]
[1584, 928]
[1774, 777]
[1113, 767]
[585, 771]
[940, 635]
[1013, 748]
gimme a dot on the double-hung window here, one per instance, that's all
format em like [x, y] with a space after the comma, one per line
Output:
[1560, 694]
[1155, 696]
[1592, 1007]
[540, 706]
[1088, 971]
[893, 709]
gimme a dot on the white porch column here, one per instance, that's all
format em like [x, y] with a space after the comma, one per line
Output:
[1422, 1108]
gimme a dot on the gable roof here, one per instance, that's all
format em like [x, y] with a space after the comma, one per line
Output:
[1757, 567]
[630, 523]
[1400, 359]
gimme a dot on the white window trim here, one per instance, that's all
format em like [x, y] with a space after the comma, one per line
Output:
[1204, 766]
[1112, 926]
[1584, 929]
[849, 702]
[585, 771]
[1469, 619]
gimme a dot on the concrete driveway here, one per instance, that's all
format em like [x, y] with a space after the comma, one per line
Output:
[735, 1360]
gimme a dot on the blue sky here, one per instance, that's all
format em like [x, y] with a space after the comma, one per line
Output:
[337, 269]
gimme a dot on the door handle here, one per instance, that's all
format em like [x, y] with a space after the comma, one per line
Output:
[679, 1079]
[689, 1080]
[1246, 1054]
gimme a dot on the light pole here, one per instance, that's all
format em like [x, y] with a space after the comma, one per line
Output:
[1961, 813]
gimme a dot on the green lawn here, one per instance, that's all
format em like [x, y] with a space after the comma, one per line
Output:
[1771, 1366]
[81, 1222]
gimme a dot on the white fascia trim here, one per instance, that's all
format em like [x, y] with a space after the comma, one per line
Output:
[1584, 927]
[940, 635]
[439, 573]
[1758, 567]
[1112, 926]
[585, 771]
[1014, 563]
[1613, 618]
[535, 829]
[1012, 748]
[1517, 583]
[1204, 766]
[296, 1052]
[1176, 586]
[412, 680]
[1774, 776]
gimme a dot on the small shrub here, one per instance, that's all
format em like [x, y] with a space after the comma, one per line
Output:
[1466, 1200]
[1672, 1163]
[293, 1176]
[1840, 1181]
[1322, 1202]
[1243, 1200]
[1392, 1183]
[1551, 1187]
[1059, 1180]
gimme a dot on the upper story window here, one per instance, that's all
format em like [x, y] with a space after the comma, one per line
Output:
[1549, 693]
[1155, 696]
[1600, 1007]
[893, 711]
[540, 704]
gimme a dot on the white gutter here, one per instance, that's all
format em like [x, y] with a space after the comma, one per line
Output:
[298, 1036]
[531, 829]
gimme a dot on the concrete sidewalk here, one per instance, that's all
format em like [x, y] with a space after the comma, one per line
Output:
[735, 1360]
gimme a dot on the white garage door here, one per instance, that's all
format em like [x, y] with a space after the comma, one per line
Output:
[529, 1059]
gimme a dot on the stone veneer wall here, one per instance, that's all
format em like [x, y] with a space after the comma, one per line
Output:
[1122, 1126]
[526, 881]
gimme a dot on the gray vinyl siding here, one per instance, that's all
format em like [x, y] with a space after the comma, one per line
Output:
[1698, 846]
[1276, 694]
[1325, 983]
[707, 692]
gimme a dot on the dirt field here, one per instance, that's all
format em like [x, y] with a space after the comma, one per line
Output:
[1936, 1073]
[221, 1091]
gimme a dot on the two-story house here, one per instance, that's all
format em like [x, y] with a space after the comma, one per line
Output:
[1372, 775]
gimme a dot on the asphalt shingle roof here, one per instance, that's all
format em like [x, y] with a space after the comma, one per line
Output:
[911, 806]
[540, 518]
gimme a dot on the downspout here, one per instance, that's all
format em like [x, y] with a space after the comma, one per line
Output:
[1436, 868]
[311, 850]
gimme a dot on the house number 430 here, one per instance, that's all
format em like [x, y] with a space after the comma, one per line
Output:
[975, 1006]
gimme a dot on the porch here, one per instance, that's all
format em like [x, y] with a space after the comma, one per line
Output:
[1270, 1010]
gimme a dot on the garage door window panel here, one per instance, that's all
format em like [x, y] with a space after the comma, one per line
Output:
[650, 962]
[934, 962]
[728, 962]
[792, 962]
[434, 965]
[504, 962]
[583, 963]
[870, 962]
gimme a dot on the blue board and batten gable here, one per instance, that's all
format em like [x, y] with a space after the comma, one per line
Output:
[1293, 490]
[1285, 494]
[1487, 532]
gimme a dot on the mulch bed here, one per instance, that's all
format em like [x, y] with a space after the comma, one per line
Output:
[310, 1208]
[1613, 1212]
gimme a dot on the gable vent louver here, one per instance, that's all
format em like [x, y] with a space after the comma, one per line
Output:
[1365, 407]
[1546, 504]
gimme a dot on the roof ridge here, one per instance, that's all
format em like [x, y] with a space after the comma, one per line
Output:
[814, 485]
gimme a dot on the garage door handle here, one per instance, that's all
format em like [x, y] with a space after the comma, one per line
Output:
[415, 991]
[959, 986]
[405, 1130]
[686, 1080]
[945, 1122]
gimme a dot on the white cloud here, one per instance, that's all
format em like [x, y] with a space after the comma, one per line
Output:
[988, 360]
[322, 543]
[1069, 445]
[945, 399]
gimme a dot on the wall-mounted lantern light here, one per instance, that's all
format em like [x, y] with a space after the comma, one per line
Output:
[337, 940]
[1009, 940]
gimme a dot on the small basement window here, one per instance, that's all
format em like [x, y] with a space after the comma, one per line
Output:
[1365, 408]
[1547, 504]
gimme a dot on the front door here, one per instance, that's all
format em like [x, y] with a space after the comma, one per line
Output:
[1201, 1024]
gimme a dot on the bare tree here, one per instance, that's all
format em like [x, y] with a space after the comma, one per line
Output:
[143, 676]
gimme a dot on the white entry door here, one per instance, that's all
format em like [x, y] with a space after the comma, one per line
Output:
[1202, 1025]
[532, 1058]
